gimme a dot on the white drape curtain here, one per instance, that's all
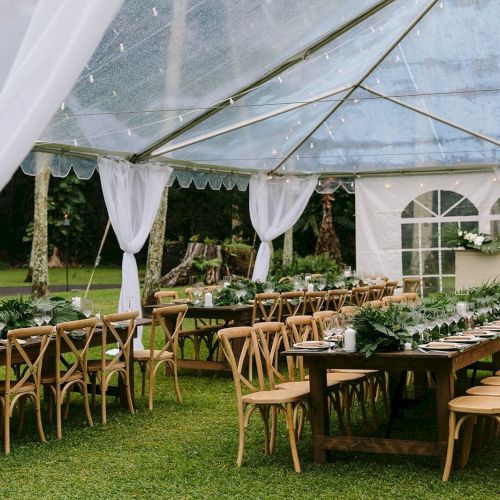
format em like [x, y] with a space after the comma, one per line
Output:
[132, 194]
[44, 44]
[275, 206]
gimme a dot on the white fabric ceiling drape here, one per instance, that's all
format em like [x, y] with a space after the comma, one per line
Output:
[132, 194]
[44, 45]
[275, 206]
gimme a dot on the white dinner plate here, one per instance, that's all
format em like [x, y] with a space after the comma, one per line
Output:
[444, 347]
[314, 345]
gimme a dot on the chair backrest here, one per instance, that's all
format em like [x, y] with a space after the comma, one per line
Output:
[374, 304]
[170, 319]
[320, 317]
[410, 298]
[390, 286]
[359, 295]
[302, 328]
[110, 333]
[376, 292]
[189, 292]
[314, 302]
[17, 350]
[291, 303]
[411, 285]
[64, 341]
[266, 307]
[316, 276]
[271, 336]
[350, 311]
[238, 358]
[336, 299]
[166, 296]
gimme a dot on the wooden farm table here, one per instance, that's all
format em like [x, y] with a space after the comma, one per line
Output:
[32, 349]
[443, 365]
[236, 315]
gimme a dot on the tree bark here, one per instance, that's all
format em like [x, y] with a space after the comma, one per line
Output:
[155, 252]
[328, 241]
[288, 248]
[40, 277]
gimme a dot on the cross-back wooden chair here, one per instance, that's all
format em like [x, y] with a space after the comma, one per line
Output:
[314, 302]
[103, 369]
[169, 319]
[189, 292]
[166, 296]
[411, 285]
[266, 307]
[291, 303]
[336, 299]
[257, 397]
[376, 292]
[359, 295]
[404, 298]
[320, 317]
[61, 381]
[390, 286]
[28, 383]
[374, 304]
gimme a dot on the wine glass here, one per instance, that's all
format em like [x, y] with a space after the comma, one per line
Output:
[328, 329]
[321, 283]
[269, 287]
[47, 314]
[226, 279]
[439, 320]
[198, 290]
[38, 315]
[87, 306]
[338, 327]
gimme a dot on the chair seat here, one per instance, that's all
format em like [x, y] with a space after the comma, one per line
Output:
[26, 387]
[275, 397]
[50, 378]
[144, 355]
[497, 373]
[342, 378]
[94, 365]
[486, 405]
[491, 381]
[353, 370]
[484, 390]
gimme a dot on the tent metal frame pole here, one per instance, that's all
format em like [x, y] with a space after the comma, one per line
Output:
[250, 121]
[372, 68]
[291, 61]
[431, 115]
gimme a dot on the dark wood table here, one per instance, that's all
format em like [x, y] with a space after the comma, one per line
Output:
[236, 315]
[32, 349]
[444, 366]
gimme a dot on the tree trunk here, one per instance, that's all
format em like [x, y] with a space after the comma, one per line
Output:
[288, 248]
[184, 272]
[328, 241]
[155, 252]
[40, 279]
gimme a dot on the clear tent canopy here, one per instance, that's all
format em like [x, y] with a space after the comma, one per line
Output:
[220, 89]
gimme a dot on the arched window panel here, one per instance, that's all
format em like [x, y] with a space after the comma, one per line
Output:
[183, 57]
[424, 222]
[337, 65]
[446, 56]
[495, 218]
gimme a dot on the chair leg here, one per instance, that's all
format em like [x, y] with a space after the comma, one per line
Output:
[151, 379]
[93, 382]
[6, 426]
[274, 423]
[39, 424]
[466, 442]
[176, 382]
[451, 444]
[67, 403]
[59, 403]
[143, 387]
[85, 395]
[104, 388]
[129, 393]
[291, 437]
[241, 444]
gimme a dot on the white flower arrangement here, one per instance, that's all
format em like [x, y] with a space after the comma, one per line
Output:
[474, 240]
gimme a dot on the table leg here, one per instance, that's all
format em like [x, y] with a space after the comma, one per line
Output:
[495, 361]
[461, 382]
[320, 424]
[444, 393]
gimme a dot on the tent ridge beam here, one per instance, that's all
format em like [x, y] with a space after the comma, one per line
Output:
[250, 121]
[291, 61]
[391, 47]
[431, 115]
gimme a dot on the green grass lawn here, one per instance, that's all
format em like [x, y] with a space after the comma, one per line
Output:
[188, 450]
[77, 276]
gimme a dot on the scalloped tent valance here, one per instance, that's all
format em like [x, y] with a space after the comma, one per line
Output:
[322, 87]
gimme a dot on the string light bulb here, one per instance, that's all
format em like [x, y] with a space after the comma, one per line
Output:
[122, 48]
[62, 106]
[155, 12]
[91, 78]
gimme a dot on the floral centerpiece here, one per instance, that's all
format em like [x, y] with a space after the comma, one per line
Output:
[455, 236]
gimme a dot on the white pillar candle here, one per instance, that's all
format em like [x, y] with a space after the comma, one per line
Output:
[208, 300]
[350, 340]
[310, 287]
[407, 346]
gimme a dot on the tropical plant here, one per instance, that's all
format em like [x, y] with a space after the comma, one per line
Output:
[454, 236]
[381, 330]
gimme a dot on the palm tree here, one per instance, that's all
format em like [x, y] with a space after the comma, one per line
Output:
[328, 241]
